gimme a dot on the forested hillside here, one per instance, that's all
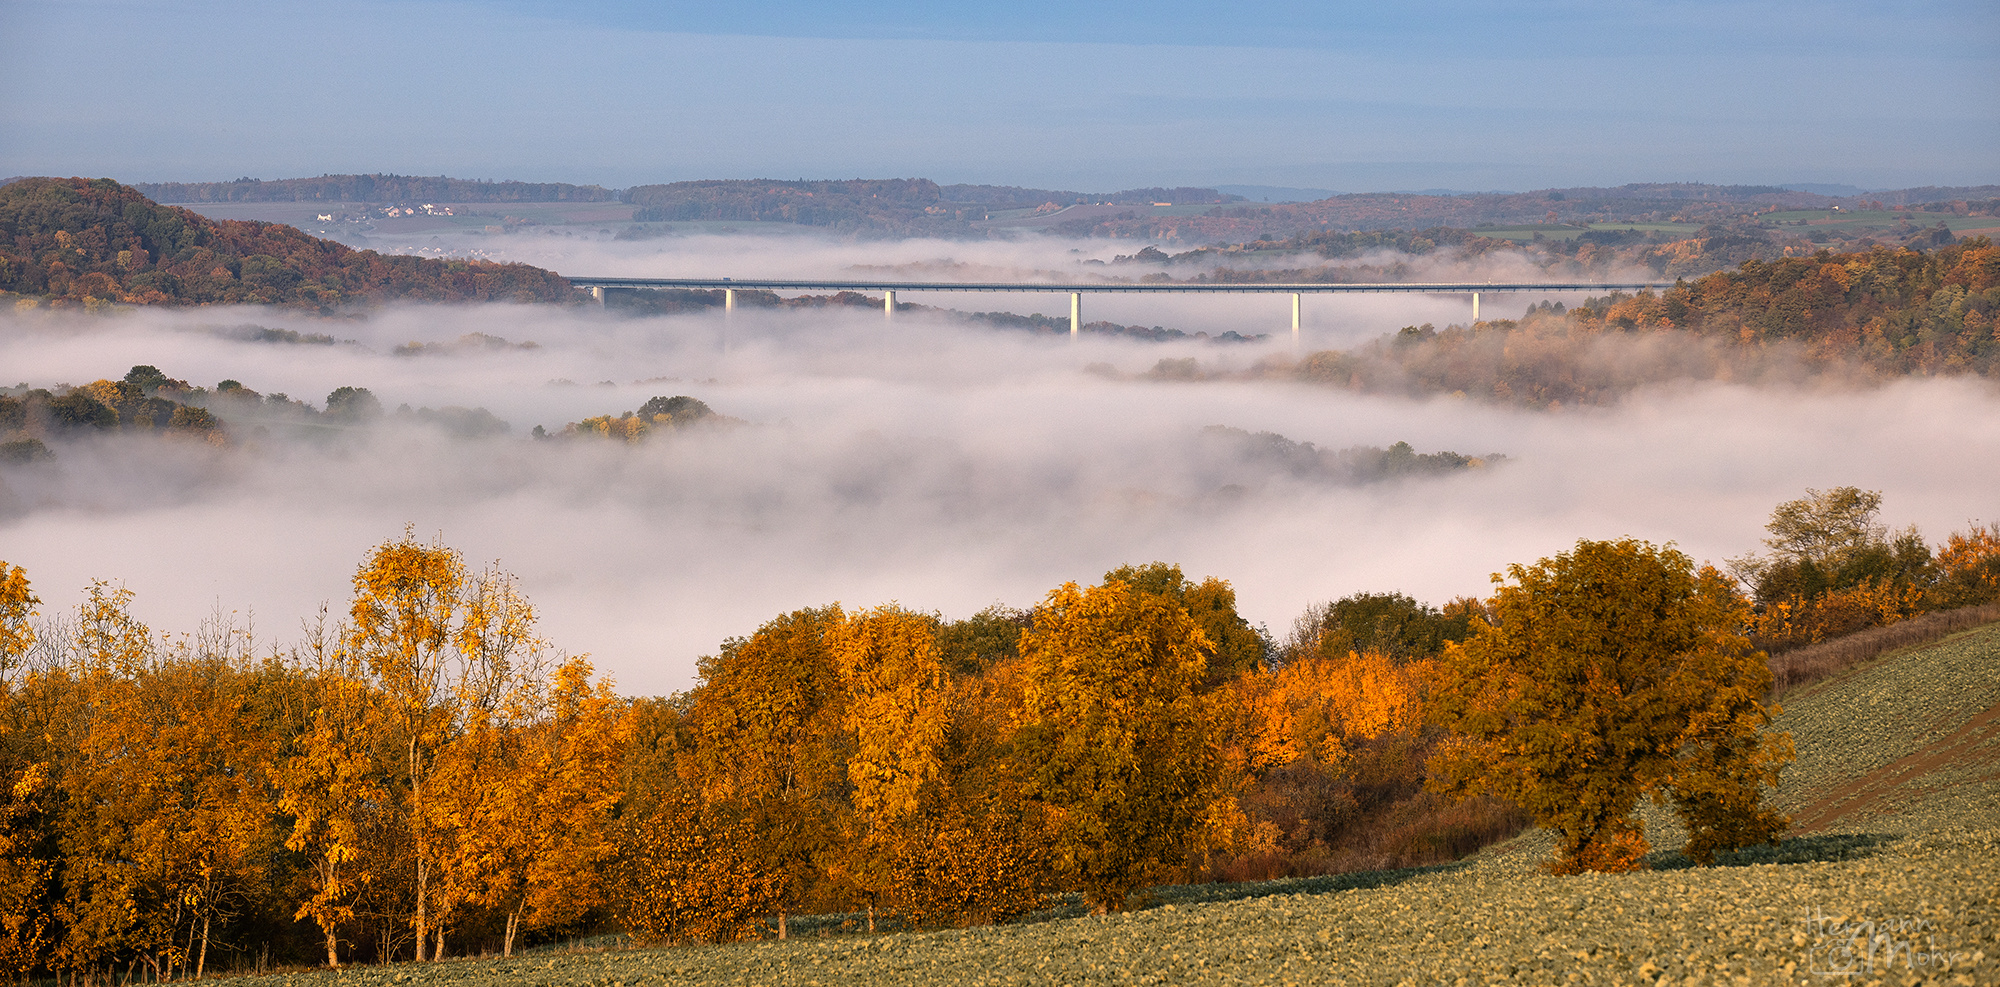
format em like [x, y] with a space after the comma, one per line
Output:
[1884, 312]
[1390, 255]
[91, 242]
[372, 188]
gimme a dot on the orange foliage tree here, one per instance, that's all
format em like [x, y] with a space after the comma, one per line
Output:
[328, 779]
[1969, 567]
[1117, 740]
[765, 743]
[1321, 705]
[1607, 673]
[935, 840]
[25, 873]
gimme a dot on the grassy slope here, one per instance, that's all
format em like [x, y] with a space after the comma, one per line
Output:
[1924, 844]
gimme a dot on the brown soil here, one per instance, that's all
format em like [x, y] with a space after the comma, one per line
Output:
[1875, 790]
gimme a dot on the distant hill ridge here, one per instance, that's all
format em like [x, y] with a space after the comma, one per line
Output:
[80, 241]
[886, 205]
[920, 206]
[917, 206]
[372, 188]
[1644, 202]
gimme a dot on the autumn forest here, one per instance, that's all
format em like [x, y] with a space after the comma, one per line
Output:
[420, 774]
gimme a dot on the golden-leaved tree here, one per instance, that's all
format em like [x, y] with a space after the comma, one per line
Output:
[1608, 673]
[693, 870]
[1117, 740]
[332, 784]
[898, 709]
[25, 870]
[404, 624]
[531, 786]
[456, 668]
[1322, 705]
[572, 761]
[1969, 565]
[17, 608]
[113, 902]
[167, 821]
[939, 831]
[1237, 647]
[766, 750]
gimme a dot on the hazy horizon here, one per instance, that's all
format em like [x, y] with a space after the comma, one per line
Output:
[1461, 94]
[1254, 193]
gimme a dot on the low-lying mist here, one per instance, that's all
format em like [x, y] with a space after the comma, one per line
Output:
[941, 465]
[807, 253]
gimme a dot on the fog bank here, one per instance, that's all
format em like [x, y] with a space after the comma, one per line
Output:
[942, 466]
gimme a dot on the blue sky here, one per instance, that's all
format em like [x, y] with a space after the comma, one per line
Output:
[1089, 96]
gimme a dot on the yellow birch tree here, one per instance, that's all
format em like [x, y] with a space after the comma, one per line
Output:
[404, 623]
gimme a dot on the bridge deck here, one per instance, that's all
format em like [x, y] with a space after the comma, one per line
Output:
[1112, 287]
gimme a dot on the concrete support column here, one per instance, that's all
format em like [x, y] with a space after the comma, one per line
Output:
[1295, 317]
[1075, 314]
[1475, 306]
[728, 315]
[888, 304]
[597, 292]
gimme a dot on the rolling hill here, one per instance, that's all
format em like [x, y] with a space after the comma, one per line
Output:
[93, 242]
[896, 206]
[373, 188]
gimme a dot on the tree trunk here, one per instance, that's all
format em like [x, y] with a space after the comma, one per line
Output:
[423, 917]
[438, 953]
[513, 923]
[423, 846]
[332, 951]
[871, 917]
[181, 961]
[201, 961]
[781, 925]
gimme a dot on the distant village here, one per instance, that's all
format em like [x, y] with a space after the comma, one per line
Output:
[385, 212]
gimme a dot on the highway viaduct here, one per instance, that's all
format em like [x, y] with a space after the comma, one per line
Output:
[1076, 290]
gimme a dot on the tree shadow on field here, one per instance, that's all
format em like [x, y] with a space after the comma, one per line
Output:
[1192, 894]
[1817, 849]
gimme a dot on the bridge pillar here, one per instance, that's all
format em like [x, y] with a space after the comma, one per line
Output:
[597, 292]
[728, 315]
[1295, 317]
[889, 304]
[1475, 306]
[1075, 314]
